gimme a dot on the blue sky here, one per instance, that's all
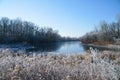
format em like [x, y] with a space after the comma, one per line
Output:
[70, 17]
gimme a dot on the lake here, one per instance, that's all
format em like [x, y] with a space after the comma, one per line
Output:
[70, 47]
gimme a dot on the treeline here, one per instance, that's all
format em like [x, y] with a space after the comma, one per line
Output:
[18, 31]
[105, 34]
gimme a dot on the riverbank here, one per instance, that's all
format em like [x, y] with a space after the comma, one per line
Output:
[89, 66]
[114, 47]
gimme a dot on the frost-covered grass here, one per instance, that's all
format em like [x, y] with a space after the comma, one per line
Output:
[93, 65]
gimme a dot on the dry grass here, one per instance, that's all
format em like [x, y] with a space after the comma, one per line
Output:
[90, 66]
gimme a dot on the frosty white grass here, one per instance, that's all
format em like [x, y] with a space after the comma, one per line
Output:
[90, 66]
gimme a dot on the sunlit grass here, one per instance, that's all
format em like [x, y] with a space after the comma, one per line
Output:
[93, 65]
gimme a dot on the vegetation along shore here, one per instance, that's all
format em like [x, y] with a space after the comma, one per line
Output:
[92, 65]
[106, 35]
[18, 31]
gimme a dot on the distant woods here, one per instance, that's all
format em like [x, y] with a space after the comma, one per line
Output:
[106, 33]
[18, 31]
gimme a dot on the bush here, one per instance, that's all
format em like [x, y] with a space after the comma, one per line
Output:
[89, 66]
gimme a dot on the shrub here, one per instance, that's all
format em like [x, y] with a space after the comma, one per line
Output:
[89, 66]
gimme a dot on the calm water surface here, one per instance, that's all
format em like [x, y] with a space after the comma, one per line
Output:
[71, 47]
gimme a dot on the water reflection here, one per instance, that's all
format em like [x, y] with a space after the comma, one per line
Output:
[71, 47]
[45, 47]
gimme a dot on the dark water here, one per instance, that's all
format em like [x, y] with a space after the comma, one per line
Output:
[71, 47]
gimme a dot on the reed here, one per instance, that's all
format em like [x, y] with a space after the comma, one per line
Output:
[94, 65]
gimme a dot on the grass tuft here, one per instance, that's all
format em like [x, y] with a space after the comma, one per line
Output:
[94, 65]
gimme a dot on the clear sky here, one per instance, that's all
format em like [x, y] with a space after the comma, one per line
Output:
[70, 17]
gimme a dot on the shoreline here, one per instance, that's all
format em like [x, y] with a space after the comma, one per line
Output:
[108, 47]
